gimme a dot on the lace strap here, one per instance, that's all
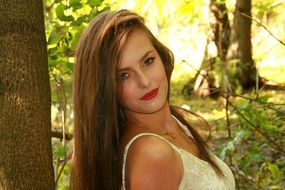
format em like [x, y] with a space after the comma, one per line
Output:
[188, 133]
[126, 152]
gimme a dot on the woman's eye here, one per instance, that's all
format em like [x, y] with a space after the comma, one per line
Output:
[123, 76]
[149, 61]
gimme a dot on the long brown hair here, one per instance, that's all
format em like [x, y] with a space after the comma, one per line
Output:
[96, 162]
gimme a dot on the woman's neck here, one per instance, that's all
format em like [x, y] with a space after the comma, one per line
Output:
[158, 121]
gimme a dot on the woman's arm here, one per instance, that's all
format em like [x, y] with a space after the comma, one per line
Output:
[153, 164]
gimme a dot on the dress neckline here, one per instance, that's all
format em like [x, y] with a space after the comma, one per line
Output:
[186, 131]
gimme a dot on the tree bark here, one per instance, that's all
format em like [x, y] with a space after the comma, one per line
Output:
[246, 68]
[205, 80]
[25, 123]
[221, 27]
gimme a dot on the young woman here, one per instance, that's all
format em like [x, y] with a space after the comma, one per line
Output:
[126, 135]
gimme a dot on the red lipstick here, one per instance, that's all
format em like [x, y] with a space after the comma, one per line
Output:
[150, 95]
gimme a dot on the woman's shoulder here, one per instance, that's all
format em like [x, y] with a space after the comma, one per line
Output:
[150, 146]
[150, 157]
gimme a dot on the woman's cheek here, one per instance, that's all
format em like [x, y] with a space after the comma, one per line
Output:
[127, 91]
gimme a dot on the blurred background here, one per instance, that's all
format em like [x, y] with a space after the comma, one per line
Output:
[229, 68]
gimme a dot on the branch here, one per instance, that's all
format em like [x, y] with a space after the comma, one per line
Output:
[50, 7]
[64, 162]
[197, 70]
[241, 173]
[228, 124]
[60, 85]
[257, 128]
[260, 24]
[248, 121]
[59, 135]
[245, 97]
[278, 111]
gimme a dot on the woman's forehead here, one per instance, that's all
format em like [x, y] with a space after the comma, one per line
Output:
[137, 46]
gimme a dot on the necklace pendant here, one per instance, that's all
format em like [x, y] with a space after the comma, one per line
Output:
[171, 134]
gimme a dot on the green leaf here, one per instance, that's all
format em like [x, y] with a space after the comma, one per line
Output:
[75, 4]
[274, 169]
[74, 1]
[230, 146]
[271, 127]
[60, 13]
[244, 105]
[264, 99]
[54, 38]
[94, 3]
[68, 18]
[59, 150]
[69, 66]
[79, 20]
[52, 63]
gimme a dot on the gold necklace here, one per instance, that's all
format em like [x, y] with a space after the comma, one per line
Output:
[171, 134]
[164, 134]
[167, 133]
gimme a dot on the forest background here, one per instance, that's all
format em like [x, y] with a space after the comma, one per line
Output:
[229, 68]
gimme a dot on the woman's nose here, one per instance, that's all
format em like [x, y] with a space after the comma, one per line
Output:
[143, 80]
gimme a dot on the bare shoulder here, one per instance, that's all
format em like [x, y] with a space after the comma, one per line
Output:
[153, 164]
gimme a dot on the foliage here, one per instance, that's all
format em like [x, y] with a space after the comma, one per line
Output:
[269, 24]
[62, 152]
[65, 21]
[256, 123]
[255, 150]
[258, 142]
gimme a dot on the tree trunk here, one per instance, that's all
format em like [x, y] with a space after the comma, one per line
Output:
[221, 27]
[25, 123]
[246, 69]
[205, 81]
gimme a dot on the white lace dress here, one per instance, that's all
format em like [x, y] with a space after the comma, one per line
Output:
[198, 174]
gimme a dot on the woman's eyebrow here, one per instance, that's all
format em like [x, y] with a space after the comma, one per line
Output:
[141, 60]
[122, 69]
[145, 55]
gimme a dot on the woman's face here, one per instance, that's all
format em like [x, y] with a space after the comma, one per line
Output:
[141, 76]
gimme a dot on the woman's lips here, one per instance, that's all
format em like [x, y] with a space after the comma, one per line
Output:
[150, 95]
